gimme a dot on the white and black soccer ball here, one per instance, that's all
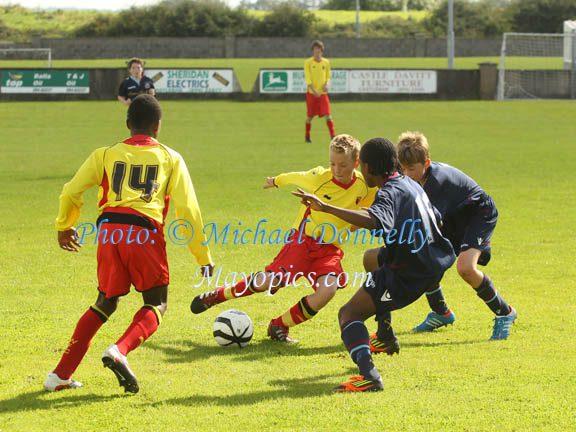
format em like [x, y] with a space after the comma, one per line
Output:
[233, 327]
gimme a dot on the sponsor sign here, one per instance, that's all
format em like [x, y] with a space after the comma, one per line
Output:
[352, 81]
[45, 81]
[293, 81]
[392, 81]
[192, 80]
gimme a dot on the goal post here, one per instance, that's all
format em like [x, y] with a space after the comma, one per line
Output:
[533, 66]
[27, 54]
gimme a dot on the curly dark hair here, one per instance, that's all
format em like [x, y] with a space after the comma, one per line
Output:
[381, 157]
[144, 112]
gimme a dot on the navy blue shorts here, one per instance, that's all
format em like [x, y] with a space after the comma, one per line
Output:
[476, 233]
[389, 292]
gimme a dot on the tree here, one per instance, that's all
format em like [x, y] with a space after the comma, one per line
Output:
[381, 5]
[471, 19]
[540, 16]
[286, 20]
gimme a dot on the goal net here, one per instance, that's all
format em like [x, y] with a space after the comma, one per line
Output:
[44, 54]
[533, 66]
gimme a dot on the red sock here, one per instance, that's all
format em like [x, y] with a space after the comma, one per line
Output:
[330, 125]
[85, 330]
[308, 127]
[143, 326]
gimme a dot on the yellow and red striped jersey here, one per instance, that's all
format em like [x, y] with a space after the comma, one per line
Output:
[321, 183]
[317, 73]
[141, 174]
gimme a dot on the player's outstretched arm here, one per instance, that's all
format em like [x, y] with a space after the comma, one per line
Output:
[67, 240]
[270, 183]
[124, 101]
[359, 218]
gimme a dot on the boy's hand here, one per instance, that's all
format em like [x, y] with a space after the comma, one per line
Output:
[270, 183]
[325, 88]
[309, 200]
[316, 93]
[207, 270]
[68, 241]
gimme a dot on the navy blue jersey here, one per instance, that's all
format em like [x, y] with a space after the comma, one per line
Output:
[451, 191]
[469, 215]
[130, 88]
[415, 248]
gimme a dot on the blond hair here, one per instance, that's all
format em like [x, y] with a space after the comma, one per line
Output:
[413, 148]
[346, 144]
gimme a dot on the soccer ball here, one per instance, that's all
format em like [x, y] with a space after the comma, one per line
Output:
[233, 327]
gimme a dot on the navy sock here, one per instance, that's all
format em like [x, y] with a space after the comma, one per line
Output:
[355, 337]
[385, 331]
[488, 293]
[436, 301]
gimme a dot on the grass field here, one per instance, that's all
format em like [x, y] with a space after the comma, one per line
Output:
[247, 69]
[452, 379]
[349, 16]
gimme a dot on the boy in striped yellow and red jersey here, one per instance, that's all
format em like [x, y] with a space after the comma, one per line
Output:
[136, 179]
[317, 75]
[306, 253]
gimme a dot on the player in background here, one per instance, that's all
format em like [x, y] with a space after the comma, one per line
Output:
[136, 84]
[136, 179]
[411, 263]
[469, 218]
[302, 255]
[317, 74]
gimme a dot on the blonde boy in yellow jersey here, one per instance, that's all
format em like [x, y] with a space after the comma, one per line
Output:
[317, 74]
[136, 179]
[317, 260]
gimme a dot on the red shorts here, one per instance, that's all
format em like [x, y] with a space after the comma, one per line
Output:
[130, 258]
[317, 106]
[308, 259]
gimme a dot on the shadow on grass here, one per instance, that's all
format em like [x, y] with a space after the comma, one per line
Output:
[294, 388]
[432, 344]
[42, 400]
[190, 351]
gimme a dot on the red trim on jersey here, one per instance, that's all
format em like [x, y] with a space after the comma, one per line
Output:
[396, 174]
[342, 185]
[306, 214]
[141, 141]
[165, 211]
[105, 187]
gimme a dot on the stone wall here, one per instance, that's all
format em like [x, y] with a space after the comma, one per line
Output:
[231, 47]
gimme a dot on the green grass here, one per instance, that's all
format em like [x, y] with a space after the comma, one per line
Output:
[247, 69]
[21, 23]
[346, 17]
[452, 379]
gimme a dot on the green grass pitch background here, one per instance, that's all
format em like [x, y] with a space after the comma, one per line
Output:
[522, 153]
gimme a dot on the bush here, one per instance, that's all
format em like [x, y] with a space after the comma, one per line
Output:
[286, 20]
[540, 16]
[478, 19]
[175, 19]
[378, 5]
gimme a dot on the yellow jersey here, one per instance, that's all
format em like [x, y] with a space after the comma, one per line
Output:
[317, 73]
[141, 174]
[321, 183]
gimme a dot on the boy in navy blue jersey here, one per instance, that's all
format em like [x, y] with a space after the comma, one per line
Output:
[413, 261]
[136, 84]
[469, 217]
